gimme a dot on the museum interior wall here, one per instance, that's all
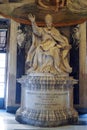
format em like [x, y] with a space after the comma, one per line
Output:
[16, 64]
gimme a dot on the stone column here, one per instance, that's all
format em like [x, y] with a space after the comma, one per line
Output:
[83, 67]
[12, 54]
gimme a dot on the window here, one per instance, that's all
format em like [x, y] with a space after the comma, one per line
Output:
[3, 37]
[2, 73]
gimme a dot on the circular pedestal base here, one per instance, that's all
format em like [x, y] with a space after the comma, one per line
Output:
[46, 101]
[47, 118]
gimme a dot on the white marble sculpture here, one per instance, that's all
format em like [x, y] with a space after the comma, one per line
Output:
[49, 51]
[20, 37]
[47, 89]
[77, 6]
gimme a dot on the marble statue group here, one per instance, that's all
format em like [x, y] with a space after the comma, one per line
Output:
[46, 87]
[49, 52]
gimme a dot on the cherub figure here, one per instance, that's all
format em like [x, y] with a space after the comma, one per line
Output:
[59, 4]
[49, 4]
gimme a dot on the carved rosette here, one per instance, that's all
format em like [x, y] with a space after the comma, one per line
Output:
[46, 101]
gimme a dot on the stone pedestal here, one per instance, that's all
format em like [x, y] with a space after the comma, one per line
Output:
[46, 101]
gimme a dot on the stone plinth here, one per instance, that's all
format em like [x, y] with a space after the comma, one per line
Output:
[46, 101]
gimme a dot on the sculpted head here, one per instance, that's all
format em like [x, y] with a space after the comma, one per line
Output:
[48, 21]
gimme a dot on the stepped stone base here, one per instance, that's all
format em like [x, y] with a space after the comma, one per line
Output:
[47, 101]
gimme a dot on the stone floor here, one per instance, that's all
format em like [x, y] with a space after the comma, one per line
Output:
[8, 122]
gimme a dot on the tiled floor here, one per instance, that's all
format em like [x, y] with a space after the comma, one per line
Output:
[8, 122]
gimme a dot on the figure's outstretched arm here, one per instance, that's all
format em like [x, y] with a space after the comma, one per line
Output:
[35, 28]
[31, 18]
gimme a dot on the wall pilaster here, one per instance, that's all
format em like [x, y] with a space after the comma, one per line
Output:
[83, 67]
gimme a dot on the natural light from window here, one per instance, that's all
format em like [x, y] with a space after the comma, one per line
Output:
[2, 73]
